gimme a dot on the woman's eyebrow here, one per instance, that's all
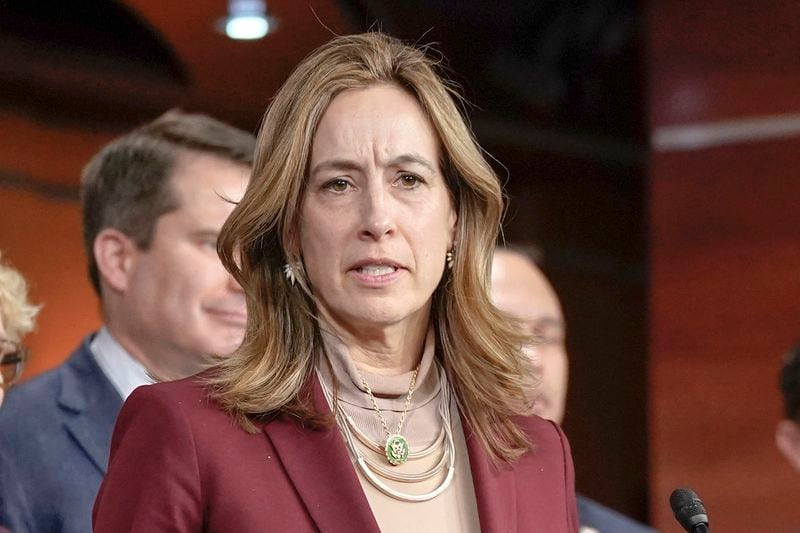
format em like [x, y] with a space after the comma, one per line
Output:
[349, 164]
[205, 233]
[403, 159]
[335, 164]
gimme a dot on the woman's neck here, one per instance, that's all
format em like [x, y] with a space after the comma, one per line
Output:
[384, 349]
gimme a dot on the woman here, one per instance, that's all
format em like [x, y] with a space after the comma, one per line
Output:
[377, 388]
[17, 318]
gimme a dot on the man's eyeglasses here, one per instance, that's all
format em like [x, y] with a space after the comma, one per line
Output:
[12, 359]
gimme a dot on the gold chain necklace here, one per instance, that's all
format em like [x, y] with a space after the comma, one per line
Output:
[396, 446]
[373, 474]
[377, 447]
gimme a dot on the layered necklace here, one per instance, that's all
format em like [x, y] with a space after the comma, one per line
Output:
[396, 448]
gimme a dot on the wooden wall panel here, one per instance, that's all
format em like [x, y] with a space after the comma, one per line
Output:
[587, 216]
[40, 230]
[719, 60]
[725, 305]
[41, 238]
[45, 152]
[724, 259]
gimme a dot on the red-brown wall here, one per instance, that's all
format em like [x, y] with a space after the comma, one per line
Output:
[725, 303]
[40, 229]
[725, 256]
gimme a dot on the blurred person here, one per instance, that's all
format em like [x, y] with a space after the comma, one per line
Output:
[787, 431]
[154, 202]
[520, 289]
[17, 319]
[377, 389]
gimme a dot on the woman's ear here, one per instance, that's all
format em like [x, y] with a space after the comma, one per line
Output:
[114, 253]
[453, 223]
[787, 439]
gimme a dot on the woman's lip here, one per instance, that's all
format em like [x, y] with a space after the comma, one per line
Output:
[376, 261]
[375, 281]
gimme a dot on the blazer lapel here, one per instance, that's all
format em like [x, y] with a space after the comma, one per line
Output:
[495, 488]
[322, 472]
[92, 406]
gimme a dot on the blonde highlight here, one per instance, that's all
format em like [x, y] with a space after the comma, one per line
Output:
[16, 312]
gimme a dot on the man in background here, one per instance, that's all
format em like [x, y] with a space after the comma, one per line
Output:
[787, 432]
[521, 290]
[154, 202]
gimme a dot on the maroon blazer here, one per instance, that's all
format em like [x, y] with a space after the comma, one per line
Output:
[180, 464]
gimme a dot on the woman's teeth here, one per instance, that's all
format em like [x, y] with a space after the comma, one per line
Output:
[377, 270]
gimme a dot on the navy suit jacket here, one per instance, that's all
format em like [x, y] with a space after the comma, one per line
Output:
[605, 520]
[55, 434]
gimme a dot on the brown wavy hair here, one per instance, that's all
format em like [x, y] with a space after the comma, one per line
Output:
[478, 347]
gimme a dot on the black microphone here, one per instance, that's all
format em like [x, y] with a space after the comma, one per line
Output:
[689, 510]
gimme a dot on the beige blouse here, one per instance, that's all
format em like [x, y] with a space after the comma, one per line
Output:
[456, 508]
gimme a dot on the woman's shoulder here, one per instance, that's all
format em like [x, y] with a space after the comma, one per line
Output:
[547, 437]
[546, 471]
[535, 425]
[187, 398]
[177, 415]
[193, 389]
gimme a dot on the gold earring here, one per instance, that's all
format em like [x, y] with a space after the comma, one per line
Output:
[450, 259]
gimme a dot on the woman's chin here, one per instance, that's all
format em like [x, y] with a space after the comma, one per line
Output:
[378, 317]
[376, 314]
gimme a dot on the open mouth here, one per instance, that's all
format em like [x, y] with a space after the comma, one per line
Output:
[376, 270]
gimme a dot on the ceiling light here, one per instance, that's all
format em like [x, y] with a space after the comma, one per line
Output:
[246, 20]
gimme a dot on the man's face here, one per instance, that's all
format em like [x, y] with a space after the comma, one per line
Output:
[787, 439]
[521, 290]
[181, 304]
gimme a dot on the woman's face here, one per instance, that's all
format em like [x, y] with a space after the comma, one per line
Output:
[377, 219]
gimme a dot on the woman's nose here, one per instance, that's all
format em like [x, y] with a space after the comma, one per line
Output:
[377, 215]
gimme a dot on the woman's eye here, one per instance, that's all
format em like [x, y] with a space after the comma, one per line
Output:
[206, 245]
[546, 335]
[337, 185]
[409, 181]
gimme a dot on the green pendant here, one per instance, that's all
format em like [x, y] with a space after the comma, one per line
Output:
[396, 449]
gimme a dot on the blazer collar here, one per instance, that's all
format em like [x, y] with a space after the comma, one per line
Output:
[495, 487]
[322, 472]
[91, 404]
